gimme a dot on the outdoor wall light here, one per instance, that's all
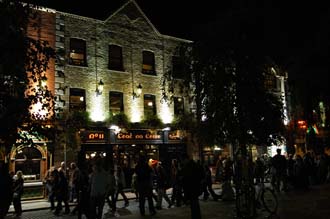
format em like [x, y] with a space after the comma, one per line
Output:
[99, 88]
[138, 91]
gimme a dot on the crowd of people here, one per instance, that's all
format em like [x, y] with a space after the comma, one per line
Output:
[97, 183]
[293, 172]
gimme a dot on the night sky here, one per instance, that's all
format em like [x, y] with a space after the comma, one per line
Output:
[296, 33]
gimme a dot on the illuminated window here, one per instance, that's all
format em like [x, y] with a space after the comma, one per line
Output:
[115, 58]
[270, 81]
[148, 64]
[178, 106]
[177, 67]
[77, 99]
[149, 105]
[116, 102]
[77, 54]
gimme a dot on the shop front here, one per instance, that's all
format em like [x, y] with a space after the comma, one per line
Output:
[123, 148]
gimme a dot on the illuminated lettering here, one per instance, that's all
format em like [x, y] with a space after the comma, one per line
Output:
[151, 136]
[125, 136]
[172, 136]
[138, 136]
[99, 136]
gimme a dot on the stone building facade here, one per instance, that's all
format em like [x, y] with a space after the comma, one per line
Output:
[126, 54]
[142, 55]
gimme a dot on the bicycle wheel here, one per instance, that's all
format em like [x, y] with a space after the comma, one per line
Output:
[269, 200]
[245, 204]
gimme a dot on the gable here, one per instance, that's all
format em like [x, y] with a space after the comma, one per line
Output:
[134, 14]
[131, 11]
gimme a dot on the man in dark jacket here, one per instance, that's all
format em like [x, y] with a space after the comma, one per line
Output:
[279, 164]
[144, 185]
[192, 176]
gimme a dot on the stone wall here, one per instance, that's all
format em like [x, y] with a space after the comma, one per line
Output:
[134, 36]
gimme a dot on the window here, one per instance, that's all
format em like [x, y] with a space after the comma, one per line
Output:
[177, 67]
[77, 99]
[77, 52]
[116, 102]
[178, 106]
[115, 58]
[149, 105]
[270, 82]
[148, 64]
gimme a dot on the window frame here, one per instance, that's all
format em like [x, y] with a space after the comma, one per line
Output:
[149, 97]
[81, 52]
[148, 66]
[72, 105]
[178, 106]
[121, 96]
[115, 62]
[177, 67]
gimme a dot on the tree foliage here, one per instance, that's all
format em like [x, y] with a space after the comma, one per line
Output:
[23, 62]
[233, 104]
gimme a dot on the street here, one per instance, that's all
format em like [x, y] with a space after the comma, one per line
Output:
[313, 203]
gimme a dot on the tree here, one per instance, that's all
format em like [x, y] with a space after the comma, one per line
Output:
[226, 70]
[25, 103]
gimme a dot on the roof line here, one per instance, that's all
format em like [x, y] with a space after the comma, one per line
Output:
[140, 10]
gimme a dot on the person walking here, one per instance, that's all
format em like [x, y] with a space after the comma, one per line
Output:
[18, 192]
[121, 184]
[61, 191]
[112, 191]
[162, 185]
[176, 182]
[73, 181]
[279, 164]
[144, 185]
[134, 186]
[208, 185]
[6, 188]
[49, 184]
[99, 186]
[192, 176]
[82, 194]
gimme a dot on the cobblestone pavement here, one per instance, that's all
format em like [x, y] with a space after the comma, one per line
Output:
[313, 203]
[210, 209]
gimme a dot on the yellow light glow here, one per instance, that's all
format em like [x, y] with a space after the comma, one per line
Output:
[165, 113]
[97, 112]
[37, 110]
[136, 114]
[43, 83]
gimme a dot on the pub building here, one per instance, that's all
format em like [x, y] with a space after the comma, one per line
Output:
[104, 67]
[123, 148]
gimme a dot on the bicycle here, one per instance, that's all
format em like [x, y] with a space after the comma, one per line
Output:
[267, 197]
[251, 196]
[244, 191]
